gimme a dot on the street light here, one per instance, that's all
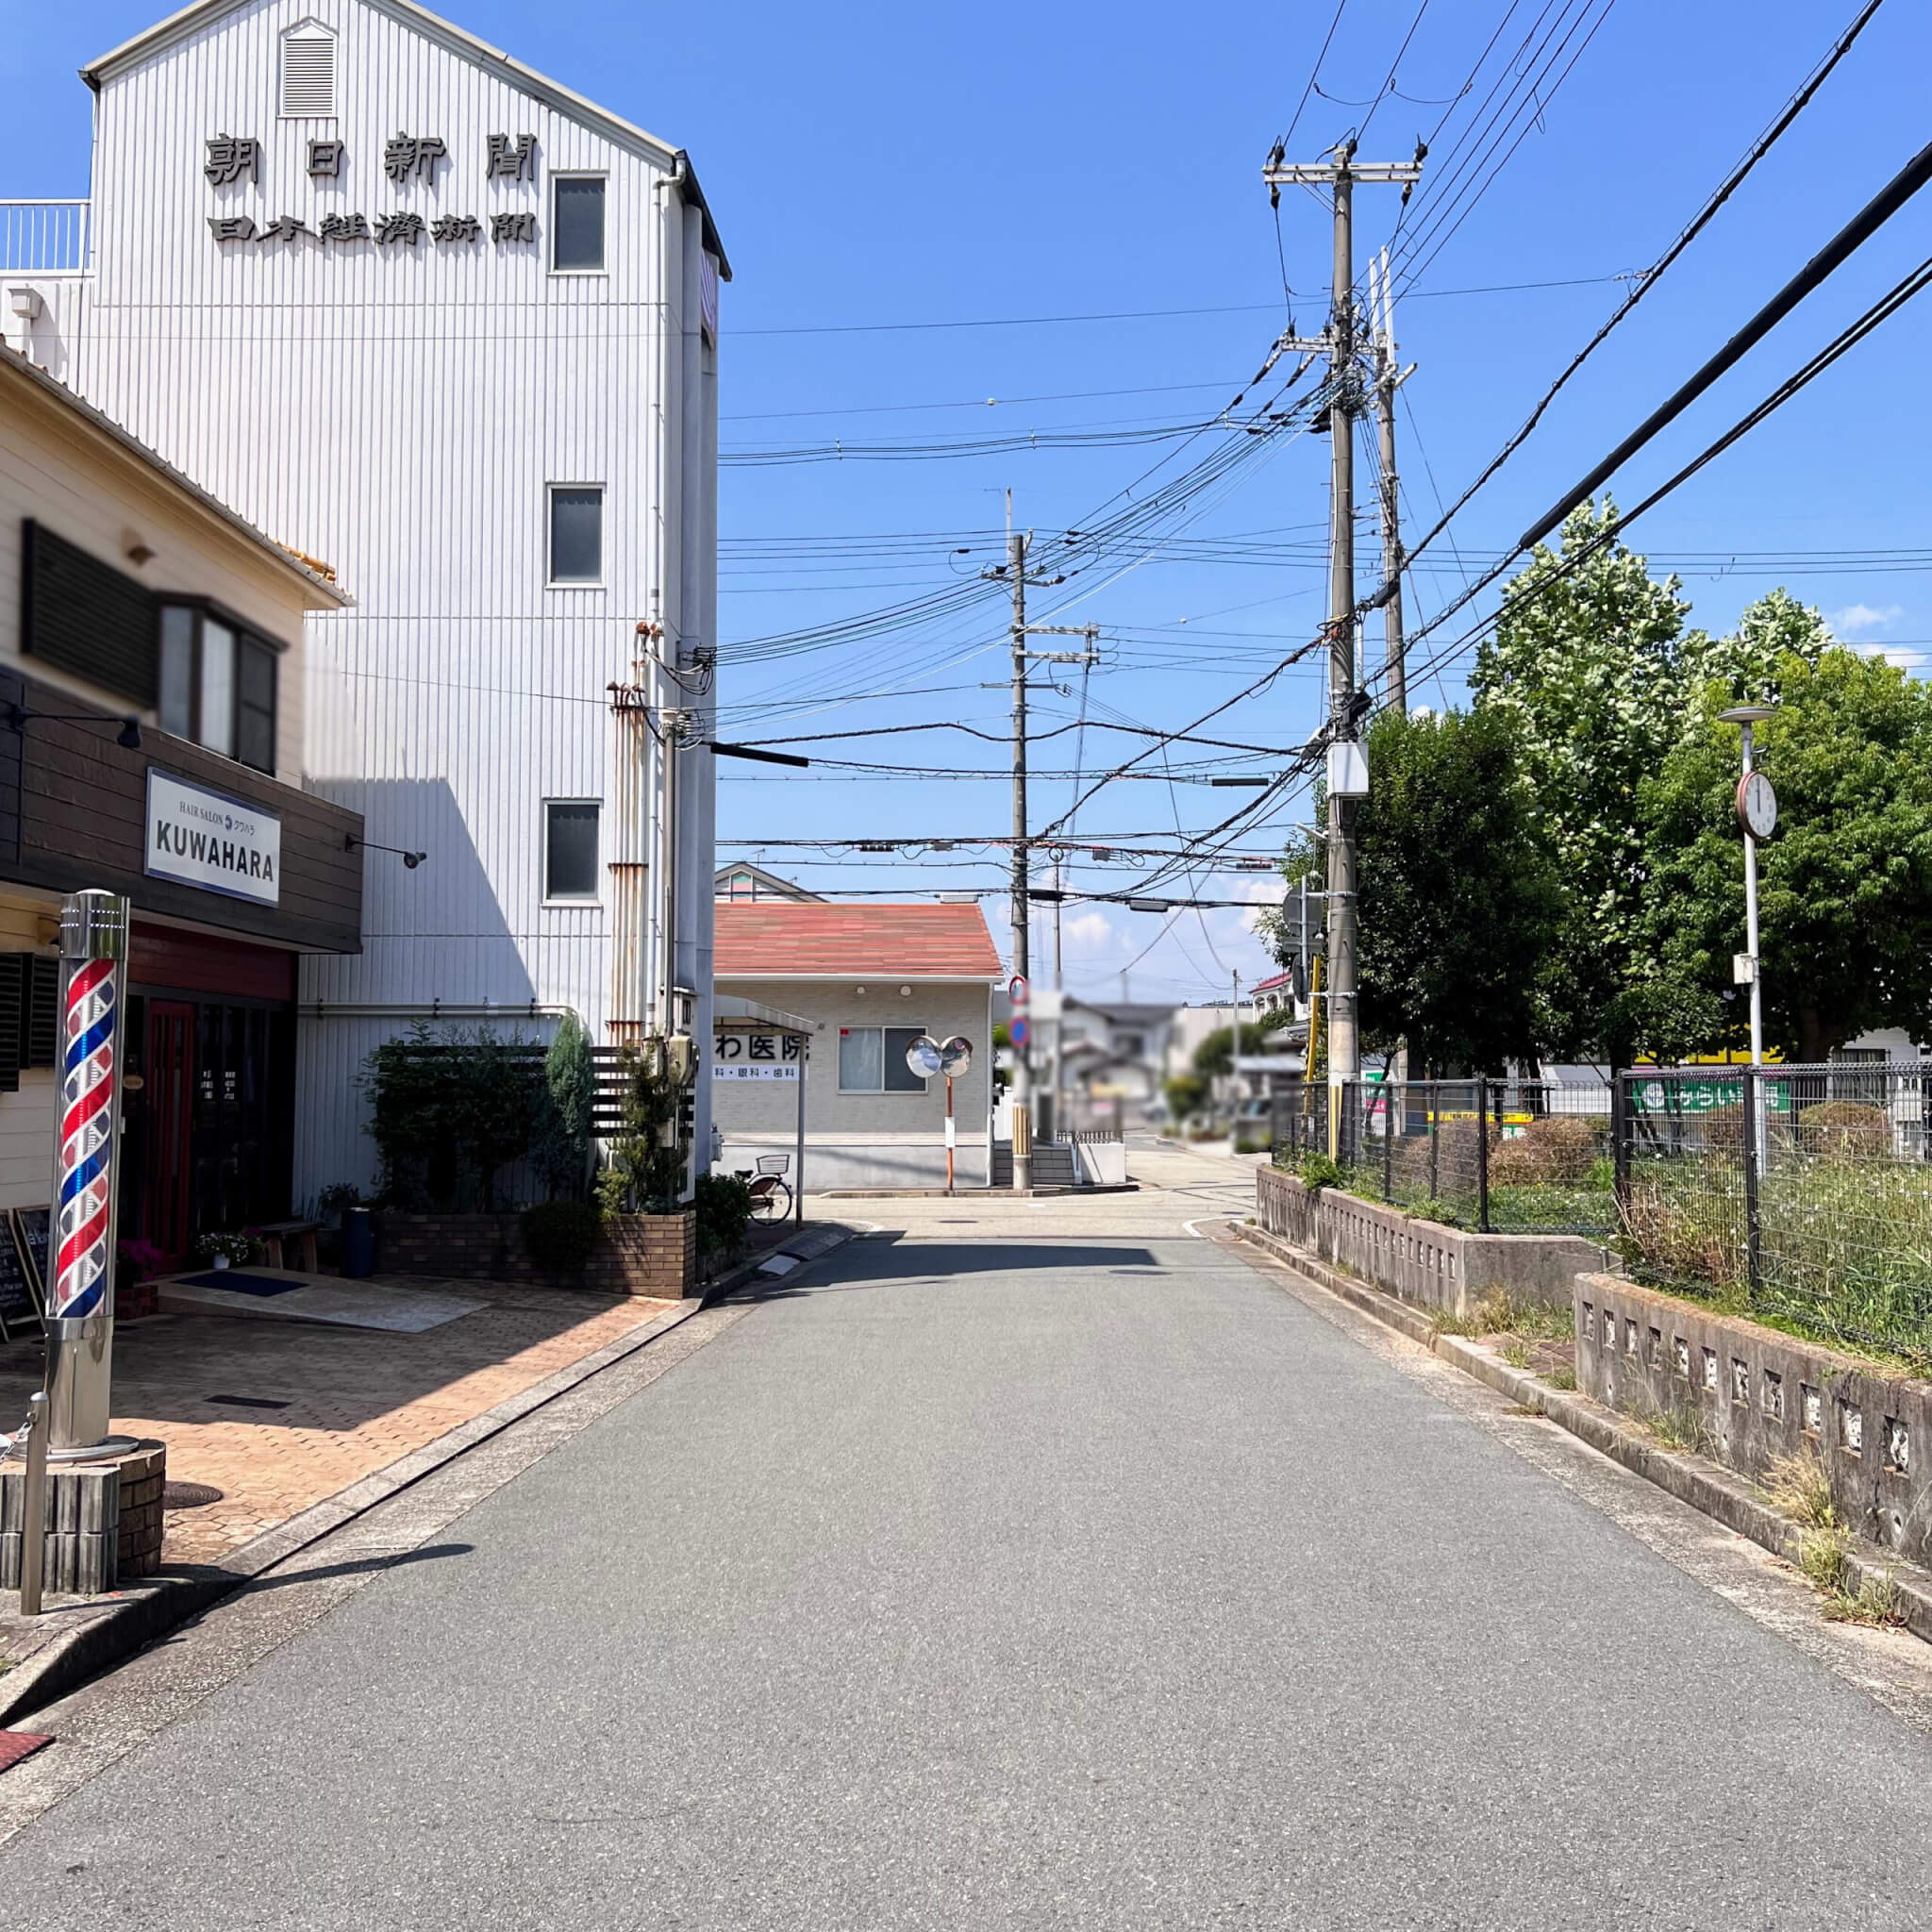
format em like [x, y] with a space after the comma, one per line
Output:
[1758, 818]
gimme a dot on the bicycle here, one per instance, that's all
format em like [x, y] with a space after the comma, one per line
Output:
[771, 1197]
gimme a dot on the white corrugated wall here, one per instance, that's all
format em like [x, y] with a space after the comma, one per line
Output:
[398, 412]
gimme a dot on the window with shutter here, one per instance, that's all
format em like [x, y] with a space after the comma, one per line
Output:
[308, 74]
[40, 1032]
[11, 976]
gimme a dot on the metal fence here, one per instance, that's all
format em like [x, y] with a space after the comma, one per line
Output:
[1502, 1156]
[1801, 1191]
[43, 237]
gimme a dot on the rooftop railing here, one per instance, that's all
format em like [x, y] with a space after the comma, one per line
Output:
[44, 237]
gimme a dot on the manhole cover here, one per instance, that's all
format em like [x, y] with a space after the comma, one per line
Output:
[190, 1495]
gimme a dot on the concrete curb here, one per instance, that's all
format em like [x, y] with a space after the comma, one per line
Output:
[1703, 1485]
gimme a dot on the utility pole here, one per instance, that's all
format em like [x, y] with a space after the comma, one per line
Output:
[1388, 378]
[1347, 772]
[1022, 910]
[1017, 546]
[1054, 1120]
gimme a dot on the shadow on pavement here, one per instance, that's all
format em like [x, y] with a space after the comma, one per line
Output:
[880, 1260]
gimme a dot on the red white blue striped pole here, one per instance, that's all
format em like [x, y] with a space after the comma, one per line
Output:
[86, 1172]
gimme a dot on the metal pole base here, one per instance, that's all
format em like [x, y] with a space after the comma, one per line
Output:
[103, 1450]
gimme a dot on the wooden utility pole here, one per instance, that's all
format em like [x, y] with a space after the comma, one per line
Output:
[1347, 774]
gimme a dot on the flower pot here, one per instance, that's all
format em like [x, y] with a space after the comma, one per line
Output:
[221, 1260]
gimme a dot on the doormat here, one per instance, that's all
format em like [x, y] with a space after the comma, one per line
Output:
[14, 1745]
[237, 1282]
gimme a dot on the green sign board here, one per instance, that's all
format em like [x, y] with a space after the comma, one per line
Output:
[1680, 1096]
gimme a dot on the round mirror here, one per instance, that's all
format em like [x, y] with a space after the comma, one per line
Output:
[923, 1056]
[955, 1055]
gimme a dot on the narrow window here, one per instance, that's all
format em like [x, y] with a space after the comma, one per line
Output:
[177, 670]
[569, 848]
[859, 1067]
[900, 1078]
[576, 535]
[308, 73]
[255, 706]
[577, 222]
[218, 687]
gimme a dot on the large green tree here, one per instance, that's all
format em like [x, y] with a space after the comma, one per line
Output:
[1458, 900]
[1593, 666]
[1846, 885]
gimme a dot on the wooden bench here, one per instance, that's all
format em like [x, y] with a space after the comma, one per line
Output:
[275, 1232]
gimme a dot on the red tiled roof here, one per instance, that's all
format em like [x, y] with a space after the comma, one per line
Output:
[772, 938]
[1280, 979]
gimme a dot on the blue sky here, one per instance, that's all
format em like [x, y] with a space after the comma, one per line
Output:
[876, 165]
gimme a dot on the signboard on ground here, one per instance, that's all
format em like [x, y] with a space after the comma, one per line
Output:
[1704, 1096]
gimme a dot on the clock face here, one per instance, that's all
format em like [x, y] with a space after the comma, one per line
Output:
[1757, 805]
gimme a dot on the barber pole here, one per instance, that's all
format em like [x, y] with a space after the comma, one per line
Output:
[81, 1237]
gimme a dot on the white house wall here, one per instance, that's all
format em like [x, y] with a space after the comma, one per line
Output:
[398, 412]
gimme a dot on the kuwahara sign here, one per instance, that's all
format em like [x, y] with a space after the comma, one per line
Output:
[205, 838]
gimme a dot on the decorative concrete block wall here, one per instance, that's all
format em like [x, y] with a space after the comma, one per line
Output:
[1421, 1261]
[1755, 1394]
[102, 1527]
[649, 1255]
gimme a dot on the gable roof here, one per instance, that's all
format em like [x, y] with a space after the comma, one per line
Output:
[783, 939]
[191, 19]
[320, 592]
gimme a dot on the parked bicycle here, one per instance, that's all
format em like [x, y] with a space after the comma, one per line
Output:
[771, 1196]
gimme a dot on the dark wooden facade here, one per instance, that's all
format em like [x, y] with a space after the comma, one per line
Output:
[72, 813]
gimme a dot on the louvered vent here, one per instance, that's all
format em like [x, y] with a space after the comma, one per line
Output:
[308, 75]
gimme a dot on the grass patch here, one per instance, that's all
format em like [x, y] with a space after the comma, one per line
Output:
[1561, 1378]
[1515, 1353]
[1678, 1430]
[1798, 1486]
[1499, 1312]
[1824, 1557]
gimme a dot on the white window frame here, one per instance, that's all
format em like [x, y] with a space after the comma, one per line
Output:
[882, 1092]
[551, 580]
[602, 175]
[595, 895]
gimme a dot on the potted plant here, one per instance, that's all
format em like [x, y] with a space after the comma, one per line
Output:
[226, 1250]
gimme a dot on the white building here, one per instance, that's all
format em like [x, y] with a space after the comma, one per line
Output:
[450, 327]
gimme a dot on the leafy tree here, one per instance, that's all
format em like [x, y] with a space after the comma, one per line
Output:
[448, 1111]
[1845, 884]
[567, 1107]
[1458, 902]
[1600, 677]
[1215, 1054]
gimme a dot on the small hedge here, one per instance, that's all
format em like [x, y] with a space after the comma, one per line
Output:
[723, 1205]
[561, 1235]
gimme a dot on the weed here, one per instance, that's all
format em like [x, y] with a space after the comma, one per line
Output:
[1877, 1601]
[1798, 1486]
[1678, 1430]
[1515, 1353]
[1561, 1378]
[1318, 1172]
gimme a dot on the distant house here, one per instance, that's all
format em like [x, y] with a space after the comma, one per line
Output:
[747, 881]
[870, 980]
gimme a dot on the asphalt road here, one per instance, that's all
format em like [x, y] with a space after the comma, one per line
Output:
[1014, 1573]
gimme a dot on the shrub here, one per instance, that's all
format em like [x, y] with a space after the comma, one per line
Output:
[561, 1235]
[724, 1206]
[1846, 1130]
[1318, 1172]
[1559, 1147]
[448, 1111]
[566, 1105]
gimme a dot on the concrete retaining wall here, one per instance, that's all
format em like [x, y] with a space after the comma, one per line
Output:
[650, 1255]
[1422, 1262]
[1755, 1394]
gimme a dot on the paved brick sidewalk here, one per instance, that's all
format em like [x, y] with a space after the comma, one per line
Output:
[358, 1398]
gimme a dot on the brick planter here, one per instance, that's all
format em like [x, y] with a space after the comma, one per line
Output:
[1421, 1261]
[649, 1255]
[103, 1523]
[1755, 1394]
